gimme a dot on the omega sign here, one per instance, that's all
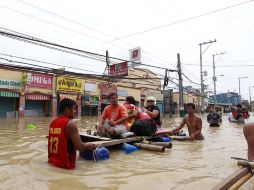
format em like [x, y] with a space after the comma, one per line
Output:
[35, 80]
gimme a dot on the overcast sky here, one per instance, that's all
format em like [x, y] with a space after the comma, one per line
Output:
[98, 26]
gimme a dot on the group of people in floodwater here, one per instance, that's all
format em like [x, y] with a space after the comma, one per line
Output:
[115, 121]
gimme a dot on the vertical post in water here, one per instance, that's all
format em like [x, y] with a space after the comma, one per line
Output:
[201, 79]
[181, 103]
[214, 82]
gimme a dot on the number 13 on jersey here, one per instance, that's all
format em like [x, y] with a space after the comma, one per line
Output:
[53, 148]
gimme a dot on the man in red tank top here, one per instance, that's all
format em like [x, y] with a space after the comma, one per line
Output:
[64, 138]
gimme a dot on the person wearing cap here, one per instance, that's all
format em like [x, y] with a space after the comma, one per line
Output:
[152, 110]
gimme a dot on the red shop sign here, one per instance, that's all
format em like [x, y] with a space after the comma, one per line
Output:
[120, 69]
[36, 80]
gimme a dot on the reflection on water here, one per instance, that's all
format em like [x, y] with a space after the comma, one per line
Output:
[189, 165]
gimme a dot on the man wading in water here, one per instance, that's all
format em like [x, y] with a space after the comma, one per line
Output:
[193, 122]
[64, 138]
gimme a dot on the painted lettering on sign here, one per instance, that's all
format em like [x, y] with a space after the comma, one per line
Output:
[10, 84]
[69, 85]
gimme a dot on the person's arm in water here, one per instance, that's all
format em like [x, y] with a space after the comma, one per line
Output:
[199, 128]
[73, 135]
[180, 126]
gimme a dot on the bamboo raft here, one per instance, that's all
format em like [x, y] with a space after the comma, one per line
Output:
[236, 180]
[136, 141]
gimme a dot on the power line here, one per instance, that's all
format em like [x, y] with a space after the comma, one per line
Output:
[51, 45]
[184, 20]
[190, 79]
[75, 22]
[36, 41]
[52, 69]
[29, 59]
[52, 23]
[65, 18]
[246, 65]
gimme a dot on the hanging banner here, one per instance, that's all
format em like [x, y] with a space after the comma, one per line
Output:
[120, 69]
[68, 85]
[36, 80]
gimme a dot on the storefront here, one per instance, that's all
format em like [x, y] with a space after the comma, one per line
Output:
[9, 97]
[90, 99]
[71, 88]
[38, 94]
[105, 90]
[123, 92]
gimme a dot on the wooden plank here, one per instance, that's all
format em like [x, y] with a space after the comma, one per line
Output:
[88, 138]
[117, 141]
[231, 180]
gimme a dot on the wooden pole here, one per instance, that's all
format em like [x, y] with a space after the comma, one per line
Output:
[231, 180]
[241, 181]
[150, 147]
[245, 163]
[164, 144]
[182, 138]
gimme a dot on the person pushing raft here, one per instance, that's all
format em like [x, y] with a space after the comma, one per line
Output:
[64, 138]
[193, 122]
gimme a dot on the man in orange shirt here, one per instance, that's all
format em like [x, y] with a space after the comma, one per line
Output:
[113, 119]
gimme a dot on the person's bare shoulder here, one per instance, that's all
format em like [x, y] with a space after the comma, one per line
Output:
[249, 127]
[186, 117]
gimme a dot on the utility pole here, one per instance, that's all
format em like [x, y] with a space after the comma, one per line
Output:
[214, 77]
[250, 97]
[107, 67]
[181, 103]
[201, 71]
[245, 77]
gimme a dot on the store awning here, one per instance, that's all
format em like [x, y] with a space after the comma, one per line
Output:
[5, 93]
[70, 96]
[37, 97]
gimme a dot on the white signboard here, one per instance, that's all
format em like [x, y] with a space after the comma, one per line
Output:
[90, 87]
[135, 54]
[10, 84]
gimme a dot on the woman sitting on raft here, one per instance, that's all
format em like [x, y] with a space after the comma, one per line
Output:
[143, 122]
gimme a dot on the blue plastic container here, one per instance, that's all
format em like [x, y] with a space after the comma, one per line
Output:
[100, 154]
[128, 148]
[164, 139]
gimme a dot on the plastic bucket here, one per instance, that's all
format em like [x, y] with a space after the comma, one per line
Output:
[100, 154]
[164, 139]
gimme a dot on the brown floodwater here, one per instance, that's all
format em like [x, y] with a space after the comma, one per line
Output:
[188, 165]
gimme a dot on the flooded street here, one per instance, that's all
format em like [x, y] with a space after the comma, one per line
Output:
[188, 165]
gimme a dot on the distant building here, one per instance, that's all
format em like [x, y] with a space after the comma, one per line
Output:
[230, 98]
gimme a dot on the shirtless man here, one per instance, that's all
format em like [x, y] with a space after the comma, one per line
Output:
[248, 132]
[193, 122]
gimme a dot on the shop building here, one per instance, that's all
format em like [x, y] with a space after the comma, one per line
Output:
[36, 95]
[90, 99]
[68, 87]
